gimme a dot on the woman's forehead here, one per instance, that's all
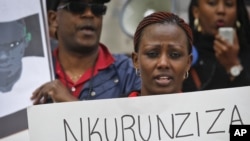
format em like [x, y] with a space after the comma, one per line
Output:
[173, 30]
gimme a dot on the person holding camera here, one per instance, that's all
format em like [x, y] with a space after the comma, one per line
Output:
[220, 64]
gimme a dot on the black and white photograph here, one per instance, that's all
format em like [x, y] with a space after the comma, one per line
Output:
[24, 61]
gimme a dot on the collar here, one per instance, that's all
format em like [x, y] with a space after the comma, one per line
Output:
[104, 60]
[138, 93]
[134, 94]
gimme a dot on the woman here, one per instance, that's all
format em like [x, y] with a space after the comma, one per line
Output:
[162, 53]
[220, 64]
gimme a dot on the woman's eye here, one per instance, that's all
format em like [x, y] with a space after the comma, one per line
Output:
[152, 54]
[212, 2]
[229, 4]
[175, 55]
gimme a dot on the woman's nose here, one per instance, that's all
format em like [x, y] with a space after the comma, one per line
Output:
[220, 8]
[163, 62]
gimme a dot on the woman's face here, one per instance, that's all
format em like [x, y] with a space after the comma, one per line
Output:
[213, 14]
[162, 59]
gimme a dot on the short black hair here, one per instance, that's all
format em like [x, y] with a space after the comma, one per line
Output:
[162, 17]
[53, 4]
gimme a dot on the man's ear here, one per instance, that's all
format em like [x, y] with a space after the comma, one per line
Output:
[52, 23]
[52, 17]
[135, 60]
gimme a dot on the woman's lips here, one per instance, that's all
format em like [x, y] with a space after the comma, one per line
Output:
[220, 23]
[163, 80]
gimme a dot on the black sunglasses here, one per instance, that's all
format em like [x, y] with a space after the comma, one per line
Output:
[80, 7]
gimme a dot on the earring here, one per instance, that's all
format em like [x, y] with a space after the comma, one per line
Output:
[137, 72]
[197, 25]
[238, 24]
[186, 75]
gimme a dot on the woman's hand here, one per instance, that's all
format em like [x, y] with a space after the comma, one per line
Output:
[54, 90]
[226, 53]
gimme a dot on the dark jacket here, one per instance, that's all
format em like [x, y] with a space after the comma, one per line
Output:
[118, 80]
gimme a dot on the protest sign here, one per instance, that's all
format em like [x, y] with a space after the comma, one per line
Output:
[25, 60]
[196, 116]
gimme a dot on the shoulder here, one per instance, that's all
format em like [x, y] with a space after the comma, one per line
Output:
[121, 57]
[122, 60]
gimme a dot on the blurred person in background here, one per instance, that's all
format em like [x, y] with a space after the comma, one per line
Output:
[219, 64]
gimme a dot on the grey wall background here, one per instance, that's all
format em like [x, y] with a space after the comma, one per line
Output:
[112, 34]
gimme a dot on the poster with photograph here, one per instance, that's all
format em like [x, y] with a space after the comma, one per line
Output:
[24, 60]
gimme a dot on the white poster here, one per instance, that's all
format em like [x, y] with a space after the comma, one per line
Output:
[24, 60]
[197, 116]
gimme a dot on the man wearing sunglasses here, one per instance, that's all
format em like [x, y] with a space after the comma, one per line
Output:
[84, 67]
